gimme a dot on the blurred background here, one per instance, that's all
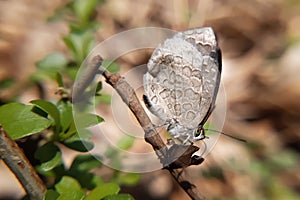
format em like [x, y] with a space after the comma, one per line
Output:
[260, 42]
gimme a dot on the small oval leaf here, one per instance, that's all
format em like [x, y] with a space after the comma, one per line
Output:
[72, 195]
[19, 121]
[85, 163]
[103, 190]
[85, 120]
[80, 145]
[65, 110]
[67, 183]
[49, 155]
[51, 195]
[49, 108]
[53, 62]
[119, 197]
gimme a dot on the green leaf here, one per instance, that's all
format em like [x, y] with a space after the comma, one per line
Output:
[88, 43]
[72, 195]
[84, 9]
[42, 172]
[103, 190]
[18, 120]
[59, 80]
[49, 155]
[50, 66]
[103, 98]
[67, 183]
[85, 120]
[71, 132]
[54, 62]
[111, 66]
[6, 83]
[51, 195]
[81, 146]
[115, 154]
[85, 163]
[72, 72]
[80, 168]
[80, 44]
[83, 134]
[96, 181]
[125, 142]
[119, 197]
[278, 191]
[99, 87]
[41, 113]
[51, 109]
[87, 180]
[92, 25]
[129, 179]
[283, 160]
[66, 116]
[111, 152]
[70, 42]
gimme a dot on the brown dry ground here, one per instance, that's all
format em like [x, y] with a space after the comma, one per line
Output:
[260, 41]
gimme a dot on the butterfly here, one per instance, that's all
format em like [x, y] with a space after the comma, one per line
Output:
[182, 81]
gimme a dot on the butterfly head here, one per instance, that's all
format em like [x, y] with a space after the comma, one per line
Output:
[199, 133]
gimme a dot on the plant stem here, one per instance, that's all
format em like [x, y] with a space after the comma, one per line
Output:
[129, 97]
[15, 159]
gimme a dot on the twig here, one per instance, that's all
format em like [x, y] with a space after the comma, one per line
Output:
[189, 188]
[15, 159]
[129, 97]
[173, 158]
[151, 136]
[85, 78]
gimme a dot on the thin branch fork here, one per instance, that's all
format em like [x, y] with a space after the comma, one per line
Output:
[179, 159]
[17, 162]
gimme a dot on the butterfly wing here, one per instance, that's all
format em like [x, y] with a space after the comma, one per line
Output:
[182, 77]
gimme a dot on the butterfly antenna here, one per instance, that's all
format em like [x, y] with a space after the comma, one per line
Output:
[236, 138]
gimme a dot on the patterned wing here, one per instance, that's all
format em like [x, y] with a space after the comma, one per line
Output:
[204, 39]
[183, 74]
